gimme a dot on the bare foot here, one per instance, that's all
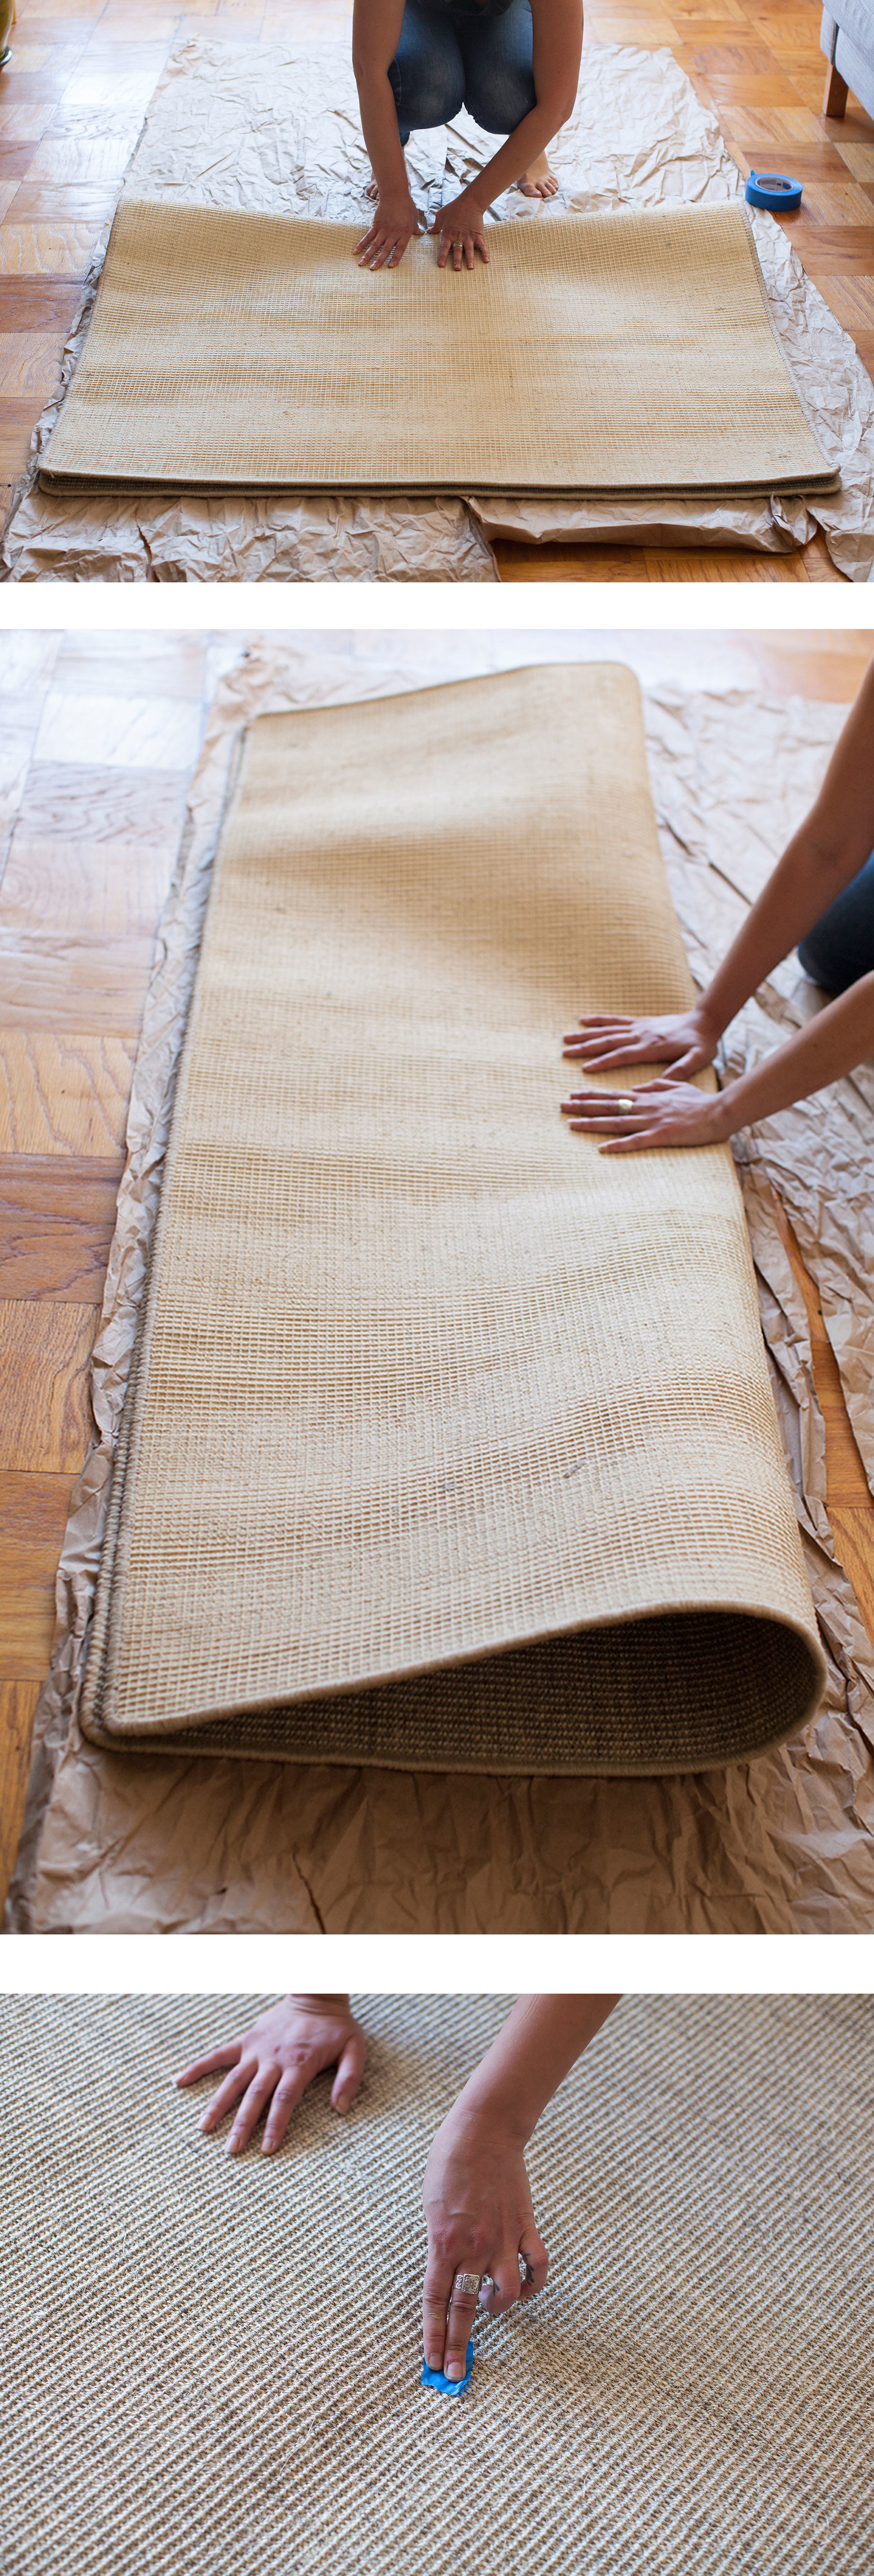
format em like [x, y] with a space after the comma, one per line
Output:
[539, 180]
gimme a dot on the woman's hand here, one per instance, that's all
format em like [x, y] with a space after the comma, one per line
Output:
[606, 1039]
[276, 2060]
[396, 222]
[664, 1112]
[460, 227]
[479, 2216]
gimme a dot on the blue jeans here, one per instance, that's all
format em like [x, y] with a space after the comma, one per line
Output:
[840, 947]
[451, 56]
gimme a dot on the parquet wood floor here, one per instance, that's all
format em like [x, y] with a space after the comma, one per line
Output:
[72, 100]
[99, 737]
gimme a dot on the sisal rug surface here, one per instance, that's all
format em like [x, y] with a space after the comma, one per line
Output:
[620, 353]
[210, 2363]
[448, 1444]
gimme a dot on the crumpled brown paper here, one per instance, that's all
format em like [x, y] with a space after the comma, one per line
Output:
[276, 127]
[138, 1843]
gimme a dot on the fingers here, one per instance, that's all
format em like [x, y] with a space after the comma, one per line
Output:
[218, 2057]
[228, 2093]
[349, 2072]
[435, 2300]
[603, 1052]
[384, 252]
[505, 2286]
[381, 247]
[448, 2314]
[536, 2261]
[462, 2310]
[596, 1114]
[289, 2092]
[463, 250]
[599, 1024]
[262, 2086]
[640, 1143]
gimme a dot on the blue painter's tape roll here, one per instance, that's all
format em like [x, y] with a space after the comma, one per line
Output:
[449, 2387]
[772, 189]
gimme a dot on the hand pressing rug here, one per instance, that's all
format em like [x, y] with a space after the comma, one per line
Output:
[616, 353]
[212, 2362]
[449, 1442]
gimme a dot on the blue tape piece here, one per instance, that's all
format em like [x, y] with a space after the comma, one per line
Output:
[449, 2387]
[773, 190]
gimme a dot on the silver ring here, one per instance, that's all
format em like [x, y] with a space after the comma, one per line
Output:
[625, 1102]
[466, 2285]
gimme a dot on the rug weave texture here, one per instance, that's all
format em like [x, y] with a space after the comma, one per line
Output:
[422, 1378]
[621, 353]
[210, 2363]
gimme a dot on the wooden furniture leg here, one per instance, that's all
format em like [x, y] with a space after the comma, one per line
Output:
[834, 97]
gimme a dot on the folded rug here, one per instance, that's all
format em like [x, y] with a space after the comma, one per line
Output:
[214, 2363]
[604, 353]
[423, 1379]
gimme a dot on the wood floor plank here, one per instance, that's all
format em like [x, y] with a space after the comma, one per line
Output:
[137, 664]
[27, 660]
[64, 1095]
[22, 120]
[551, 562]
[73, 984]
[17, 423]
[42, 305]
[832, 249]
[80, 800]
[18, 1701]
[118, 887]
[797, 125]
[638, 563]
[857, 152]
[59, 249]
[30, 364]
[16, 751]
[57, 1216]
[27, 1621]
[729, 563]
[85, 202]
[130, 733]
[45, 1414]
[33, 1518]
[852, 298]
[17, 158]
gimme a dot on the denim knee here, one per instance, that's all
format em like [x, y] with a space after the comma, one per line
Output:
[840, 947]
[427, 75]
[499, 67]
[424, 99]
[499, 103]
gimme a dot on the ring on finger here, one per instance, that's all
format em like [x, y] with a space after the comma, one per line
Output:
[625, 1102]
[466, 2285]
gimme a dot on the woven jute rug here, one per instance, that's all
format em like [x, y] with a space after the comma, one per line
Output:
[622, 353]
[449, 1441]
[210, 2363]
